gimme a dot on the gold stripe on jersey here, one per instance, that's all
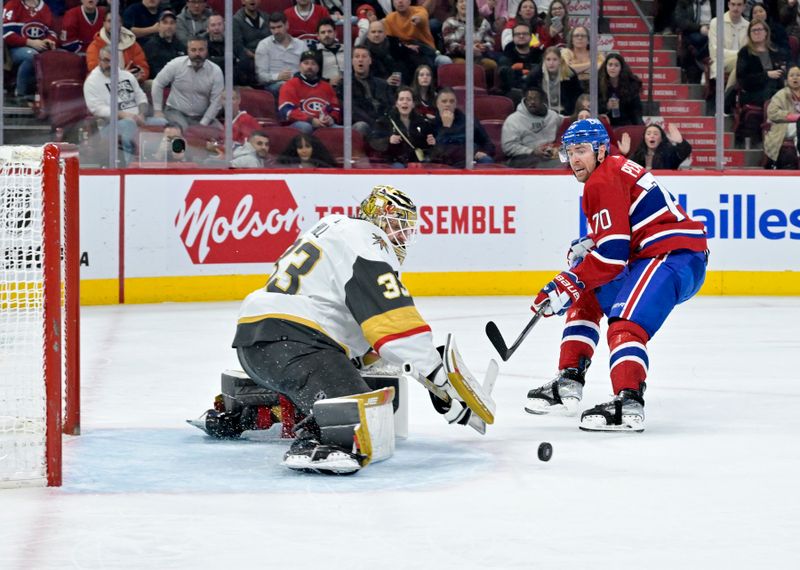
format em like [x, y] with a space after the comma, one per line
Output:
[295, 319]
[397, 323]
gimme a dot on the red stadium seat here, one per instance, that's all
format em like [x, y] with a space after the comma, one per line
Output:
[54, 66]
[68, 106]
[495, 129]
[636, 132]
[279, 138]
[260, 104]
[270, 6]
[454, 74]
[493, 107]
[333, 139]
[461, 94]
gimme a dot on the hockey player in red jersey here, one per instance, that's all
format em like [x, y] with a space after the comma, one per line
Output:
[643, 256]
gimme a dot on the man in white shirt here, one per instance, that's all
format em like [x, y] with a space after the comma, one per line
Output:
[131, 103]
[735, 39]
[278, 56]
[196, 87]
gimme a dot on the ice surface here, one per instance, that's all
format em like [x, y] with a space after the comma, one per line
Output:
[711, 483]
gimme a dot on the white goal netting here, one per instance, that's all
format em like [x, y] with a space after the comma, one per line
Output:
[22, 386]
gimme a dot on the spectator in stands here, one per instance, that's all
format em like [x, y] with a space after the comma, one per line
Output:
[454, 33]
[760, 68]
[577, 55]
[450, 132]
[517, 61]
[380, 49]
[171, 148]
[250, 26]
[27, 30]
[131, 103]
[278, 56]
[410, 26]
[556, 26]
[142, 19]
[80, 24]
[529, 133]
[216, 41]
[403, 136]
[424, 88]
[335, 9]
[783, 114]
[131, 57]
[331, 50]
[734, 39]
[193, 21]
[789, 14]
[196, 88]
[495, 12]
[777, 33]
[527, 13]
[306, 151]
[163, 47]
[691, 19]
[243, 126]
[619, 92]
[365, 15]
[306, 102]
[254, 153]
[303, 19]
[372, 96]
[557, 80]
[658, 150]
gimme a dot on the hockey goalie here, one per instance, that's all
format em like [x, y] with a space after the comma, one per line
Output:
[336, 295]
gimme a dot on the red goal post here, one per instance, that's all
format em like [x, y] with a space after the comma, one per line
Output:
[39, 311]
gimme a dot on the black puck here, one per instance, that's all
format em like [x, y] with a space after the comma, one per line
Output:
[545, 451]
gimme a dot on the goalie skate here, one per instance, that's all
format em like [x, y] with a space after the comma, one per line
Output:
[562, 395]
[624, 413]
[310, 456]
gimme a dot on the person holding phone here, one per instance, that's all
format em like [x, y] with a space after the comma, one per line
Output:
[556, 25]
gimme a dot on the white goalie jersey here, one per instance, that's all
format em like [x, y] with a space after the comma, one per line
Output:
[340, 279]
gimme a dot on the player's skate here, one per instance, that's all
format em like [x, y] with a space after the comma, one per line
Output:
[624, 413]
[562, 394]
[311, 456]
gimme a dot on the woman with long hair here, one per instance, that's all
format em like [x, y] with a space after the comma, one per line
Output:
[760, 67]
[403, 135]
[558, 81]
[306, 151]
[577, 54]
[661, 150]
[454, 33]
[619, 92]
[556, 25]
[527, 13]
[423, 86]
[783, 113]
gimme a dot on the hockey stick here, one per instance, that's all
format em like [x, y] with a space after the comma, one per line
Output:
[499, 344]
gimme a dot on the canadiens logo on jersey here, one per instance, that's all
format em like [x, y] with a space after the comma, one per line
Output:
[315, 106]
[34, 31]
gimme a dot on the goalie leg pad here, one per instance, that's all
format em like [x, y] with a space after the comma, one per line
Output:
[353, 432]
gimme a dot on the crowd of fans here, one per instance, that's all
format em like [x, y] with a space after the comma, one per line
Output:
[171, 57]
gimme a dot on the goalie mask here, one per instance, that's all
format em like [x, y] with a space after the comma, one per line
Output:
[394, 212]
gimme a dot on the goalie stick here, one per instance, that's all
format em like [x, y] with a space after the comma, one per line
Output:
[499, 344]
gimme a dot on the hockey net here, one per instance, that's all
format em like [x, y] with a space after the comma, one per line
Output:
[39, 330]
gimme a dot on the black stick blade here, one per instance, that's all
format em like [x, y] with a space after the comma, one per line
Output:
[497, 340]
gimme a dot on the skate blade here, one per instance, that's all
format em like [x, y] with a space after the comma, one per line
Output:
[336, 465]
[539, 407]
[628, 424]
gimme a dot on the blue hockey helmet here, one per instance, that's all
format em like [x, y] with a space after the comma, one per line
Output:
[589, 131]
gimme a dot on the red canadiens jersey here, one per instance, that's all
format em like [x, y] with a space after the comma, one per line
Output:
[305, 28]
[21, 23]
[78, 29]
[631, 216]
[302, 101]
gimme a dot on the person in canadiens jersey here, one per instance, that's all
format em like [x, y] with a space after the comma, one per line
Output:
[643, 256]
[336, 295]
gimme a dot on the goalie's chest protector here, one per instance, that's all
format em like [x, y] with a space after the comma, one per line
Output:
[339, 278]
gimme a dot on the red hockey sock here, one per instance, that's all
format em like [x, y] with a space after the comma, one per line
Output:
[627, 342]
[581, 331]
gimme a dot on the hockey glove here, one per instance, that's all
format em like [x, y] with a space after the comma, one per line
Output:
[578, 249]
[454, 411]
[558, 295]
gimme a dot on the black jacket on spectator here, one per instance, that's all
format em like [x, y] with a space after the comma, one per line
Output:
[247, 36]
[159, 52]
[667, 156]
[417, 134]
[756, 86]
[685, 17]
[216, 53]
[511, 78]
[372, 98]
[383, 64]
[570, 88]
[630, 107]
[451, 142]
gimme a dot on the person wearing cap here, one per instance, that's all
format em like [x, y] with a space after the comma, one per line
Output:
[278, 56]
[164, 46]
[80, 24]
[142, 19]
[250, 26]
[306, 102]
